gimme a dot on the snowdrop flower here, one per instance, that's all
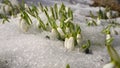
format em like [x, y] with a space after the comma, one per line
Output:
[24, 25]
[54, 34]
[67, 30]
[109, 65]
[26, 6]
[66, 8]
[108, 36]
[109, 14]
[6, 9]
[79, 38]
[61, 32]
[66, 42]
[70, 43]
[98, 21]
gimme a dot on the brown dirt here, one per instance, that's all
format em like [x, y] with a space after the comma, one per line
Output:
[113, 4]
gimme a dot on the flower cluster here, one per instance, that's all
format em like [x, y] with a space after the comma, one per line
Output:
[59, 23]
[115, 63]
[107, 13]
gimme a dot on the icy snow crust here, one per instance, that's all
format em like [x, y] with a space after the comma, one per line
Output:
[33, 50]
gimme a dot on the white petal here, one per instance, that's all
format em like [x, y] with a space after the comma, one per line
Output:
[60, 31]
[70, 43]
[24, 26]
[67, 30]
[66, 8]
[108, 36]
[109, 65]
[98, 22]
[54, 34]
[108, 14]
[79, 38]
[65, 43]
[7, 8]
[26, 6]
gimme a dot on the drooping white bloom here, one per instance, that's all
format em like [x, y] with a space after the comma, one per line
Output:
[24, 25]
[6, 9]
[66, 42]
[61, 32]
[66, 8]
[98, 21]
[26, 6]
[14, 2]
[70, 43]
[109, 65]
[109, 15]
[79, 38]
[108, 36]
[54, 34]
[67, 30]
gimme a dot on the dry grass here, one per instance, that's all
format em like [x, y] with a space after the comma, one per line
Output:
[113, 4]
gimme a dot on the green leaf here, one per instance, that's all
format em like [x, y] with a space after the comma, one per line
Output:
[70, 13]
[41, 6]
[87, 45]
[114, 55]
[78, 29]
[56, 10]
[48, 17]
[52, 11]
[41, 23]
[107, 29]
[91, 14]
[109, 41]
[67, 66]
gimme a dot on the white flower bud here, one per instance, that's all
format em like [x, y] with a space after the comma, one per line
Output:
[108, 36]
[65, 43]
[108, 14]
[61, 32]
[67, 30]
[79, 38]
[109, 65]
[98, 21]
[66, 8]
[26, 6]
[7, 9]
[54, 34]
[24, 25]
[70, 43]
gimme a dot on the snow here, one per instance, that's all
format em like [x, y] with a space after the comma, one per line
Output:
[33, 50]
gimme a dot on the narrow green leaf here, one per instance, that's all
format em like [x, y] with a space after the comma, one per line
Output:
[70, 13]
[48, 17]
[52, 11]
[113, 54]
[41, 6]
[41, 23]
[56, 10]
[67, 66]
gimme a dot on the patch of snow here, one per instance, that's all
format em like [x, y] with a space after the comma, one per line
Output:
[33, 50]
